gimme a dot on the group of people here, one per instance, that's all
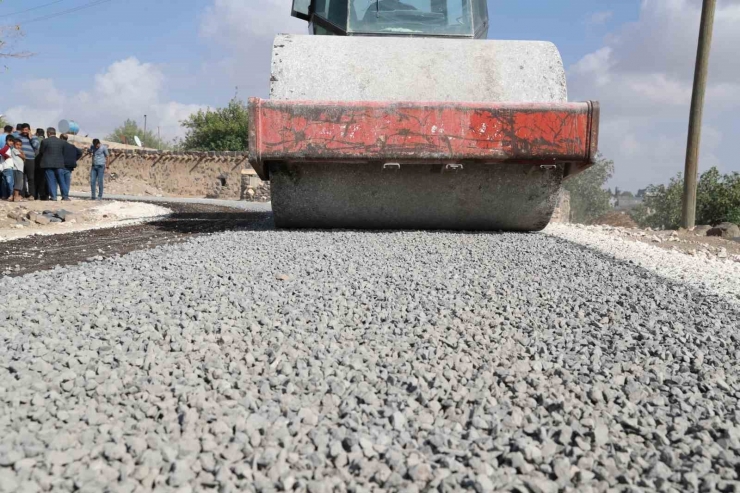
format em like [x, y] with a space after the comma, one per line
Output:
[37, 167]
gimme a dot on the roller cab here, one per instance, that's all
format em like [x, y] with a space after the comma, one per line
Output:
[427, 18]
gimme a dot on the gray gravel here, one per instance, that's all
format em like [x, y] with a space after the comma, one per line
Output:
[341, 361]
[709, 273]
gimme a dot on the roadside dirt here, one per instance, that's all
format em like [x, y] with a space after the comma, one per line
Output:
[38, 253]
[614, 218]
[17, 219]
[684, 241]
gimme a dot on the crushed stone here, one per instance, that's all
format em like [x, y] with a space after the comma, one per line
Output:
[409, 361]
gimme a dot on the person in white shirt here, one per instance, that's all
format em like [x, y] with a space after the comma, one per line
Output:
[19, 159]
[7, 168]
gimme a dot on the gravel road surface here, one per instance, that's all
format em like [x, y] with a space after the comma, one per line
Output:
[343, 361]
[709, 273]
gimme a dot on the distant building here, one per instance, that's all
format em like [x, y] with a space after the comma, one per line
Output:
[626, 201]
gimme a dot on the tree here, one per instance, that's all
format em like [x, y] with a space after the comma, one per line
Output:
[717, 201]
[222, 129]
[588, 197]
[125, 135]
[3, 122]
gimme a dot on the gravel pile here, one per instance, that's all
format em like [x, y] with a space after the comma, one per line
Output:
[707, 272]
[316, 362]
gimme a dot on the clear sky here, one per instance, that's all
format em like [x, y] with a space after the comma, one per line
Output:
[122, 59]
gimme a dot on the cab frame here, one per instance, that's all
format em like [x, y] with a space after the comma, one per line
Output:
[321, 23]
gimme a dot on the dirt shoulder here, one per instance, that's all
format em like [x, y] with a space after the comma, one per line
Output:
[688, 242]
[24, 219]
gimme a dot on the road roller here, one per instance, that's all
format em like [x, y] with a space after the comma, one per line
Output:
[394, 114]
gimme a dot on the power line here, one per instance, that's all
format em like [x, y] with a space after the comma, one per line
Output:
[65, 12]
[34, 8]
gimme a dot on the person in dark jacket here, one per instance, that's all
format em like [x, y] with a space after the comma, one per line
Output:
[72, 154]
[31, 147]
[52, 160]
[42, 188]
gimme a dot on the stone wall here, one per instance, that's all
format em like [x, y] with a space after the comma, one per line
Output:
[198, 174]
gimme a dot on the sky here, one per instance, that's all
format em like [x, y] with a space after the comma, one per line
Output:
[119, 59]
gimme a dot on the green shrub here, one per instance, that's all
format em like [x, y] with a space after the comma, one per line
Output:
[588, 198]
[640, 214]
[717, 201]
[734, 216]
[718, 198]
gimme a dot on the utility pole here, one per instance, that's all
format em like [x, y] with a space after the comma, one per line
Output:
[144, 123]
[697, 110]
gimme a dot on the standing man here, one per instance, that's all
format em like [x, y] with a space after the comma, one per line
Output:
[100, 163]
[41, 185]
[30, 145]
[51, 159]
[71, 155]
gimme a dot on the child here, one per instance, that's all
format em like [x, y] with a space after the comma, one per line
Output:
[19, 159]
[7, 168]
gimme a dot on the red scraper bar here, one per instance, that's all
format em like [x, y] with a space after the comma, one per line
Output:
[386, 132]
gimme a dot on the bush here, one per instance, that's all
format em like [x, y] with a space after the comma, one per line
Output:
[640, 214]
[718, 198]
[588, 198]
[662, 205]
[717, 201]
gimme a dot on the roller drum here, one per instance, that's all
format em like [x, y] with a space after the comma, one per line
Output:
[421, 196]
